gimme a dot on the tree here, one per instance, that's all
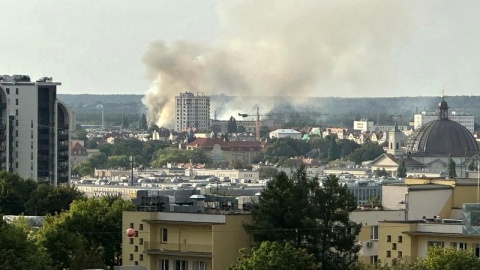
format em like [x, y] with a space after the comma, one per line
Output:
[439, 258]
[368, 151]
[380, 173]
[14, 193]
[402, 170]
[267, 172]
[232, 125]
[143, 122]
[333, 241]
[451, 168]
[17, 251]
[275, 256]
[90, 225]
[125, 123]
[47, 199]
[301, 212]
[471, 166]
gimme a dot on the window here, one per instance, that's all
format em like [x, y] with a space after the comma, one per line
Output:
[16, 123]
[400, 239]
[164, 264]
[131, 225]
[394, 246]
[199, 265]
[16, 154]
[400, 254]
[130, 241]
[140, 227]
[435, 243]
[16, 112]
[373, 259]
[16, 91]
[16, 144]
[374, 232]
[136, 263]
[16, 101]
[135, 249]
[31, 125]
[459, 246]
[140, 257]
[8, 91]
[476, 250]
[136, 233]
[16, 165]
[389, 238]
[140, 241]
[130, 257]
[16, 133]
[388, 253]
[164, 235]
[181, 265]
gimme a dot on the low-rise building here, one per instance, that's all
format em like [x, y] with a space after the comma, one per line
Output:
[285, 133]
[169, 240]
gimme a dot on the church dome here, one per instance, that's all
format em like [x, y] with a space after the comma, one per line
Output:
[444, 137]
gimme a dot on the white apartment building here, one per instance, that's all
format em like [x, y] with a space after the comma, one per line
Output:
[363, 125]
[466, 120]
[192, 111]
[34, 130]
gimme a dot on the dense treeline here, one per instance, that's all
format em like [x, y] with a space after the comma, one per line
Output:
[326, 149]
[316, 111]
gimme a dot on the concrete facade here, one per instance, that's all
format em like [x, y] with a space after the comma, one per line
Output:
[35, 130]
[192, 111]
[183, 240]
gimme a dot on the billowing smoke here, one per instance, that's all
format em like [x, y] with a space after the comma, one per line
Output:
[279, 48]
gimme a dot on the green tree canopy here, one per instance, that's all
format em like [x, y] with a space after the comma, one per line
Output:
[17, 251]
[308, 215]
[47, 199]
[368, 151]
[14, 193]
[439, 258]
[90, 225]
[451, 168]
[402, 170]
[275, 256]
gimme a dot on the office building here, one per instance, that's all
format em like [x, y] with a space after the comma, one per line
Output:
[34, 129]
[192, 112]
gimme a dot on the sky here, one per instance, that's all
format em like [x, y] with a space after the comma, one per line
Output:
[309, 48]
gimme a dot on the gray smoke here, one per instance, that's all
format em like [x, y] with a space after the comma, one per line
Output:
[279, 48]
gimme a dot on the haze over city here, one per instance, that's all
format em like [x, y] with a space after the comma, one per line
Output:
[341, 48]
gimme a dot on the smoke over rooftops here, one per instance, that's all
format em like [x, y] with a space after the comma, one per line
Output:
[279, 48]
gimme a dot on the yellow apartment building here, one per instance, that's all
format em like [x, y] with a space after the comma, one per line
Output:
[409, 240]
[184, 241]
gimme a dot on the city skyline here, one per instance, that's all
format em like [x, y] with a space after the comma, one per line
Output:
[366, 49]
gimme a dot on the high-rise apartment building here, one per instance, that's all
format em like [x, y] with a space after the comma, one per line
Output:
[34, 129]
[192, 111]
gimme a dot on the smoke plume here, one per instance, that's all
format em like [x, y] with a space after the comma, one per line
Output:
[279, 48]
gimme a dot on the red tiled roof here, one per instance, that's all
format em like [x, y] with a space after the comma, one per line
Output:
[78, 146]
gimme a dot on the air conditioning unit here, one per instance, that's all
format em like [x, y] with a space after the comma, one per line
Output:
[369, 244]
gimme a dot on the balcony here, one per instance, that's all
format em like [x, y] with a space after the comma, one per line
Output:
[62, 147]
[176, 249]
[62, 136]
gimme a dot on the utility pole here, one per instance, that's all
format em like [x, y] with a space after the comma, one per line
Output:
[257, 126]
[132, 159]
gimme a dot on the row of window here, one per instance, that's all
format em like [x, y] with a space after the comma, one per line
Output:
[8, 91]
[182, 265]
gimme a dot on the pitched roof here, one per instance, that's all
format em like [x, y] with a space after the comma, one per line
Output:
[78, 146]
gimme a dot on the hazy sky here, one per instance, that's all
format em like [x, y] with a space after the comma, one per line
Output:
[355, 48]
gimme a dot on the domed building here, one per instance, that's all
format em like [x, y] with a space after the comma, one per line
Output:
[429, 148]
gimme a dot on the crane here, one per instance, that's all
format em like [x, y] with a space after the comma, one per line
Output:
[257, 122]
